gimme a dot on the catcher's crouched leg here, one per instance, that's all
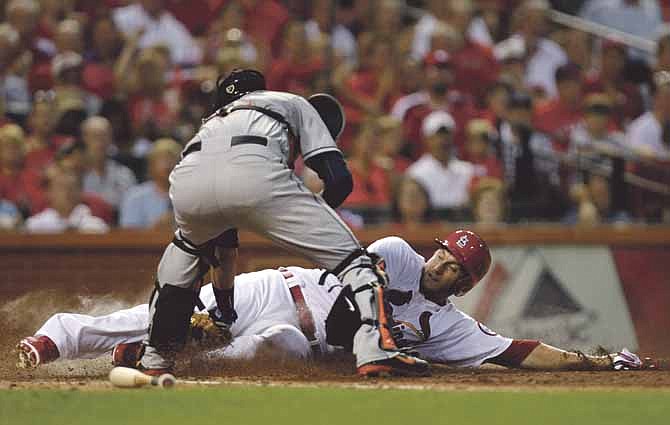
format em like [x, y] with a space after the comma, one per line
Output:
[374, 347]
[171, 306]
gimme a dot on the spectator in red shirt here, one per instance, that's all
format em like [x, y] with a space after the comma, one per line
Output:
[102, 56]
[475, 67]
[42, 144]
[66, 210]
[52, 14]
[367, 90]
[479, 150]
[371, 182]
[625, 95]
[67, 69]
[71, 159]
[556, 117]
[153, 105]
[68, 37]
[196, 15]
[438, 94]
[297, 67]
[18, 184]
[264, 20]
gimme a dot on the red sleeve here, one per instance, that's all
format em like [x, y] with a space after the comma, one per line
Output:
[516, 353]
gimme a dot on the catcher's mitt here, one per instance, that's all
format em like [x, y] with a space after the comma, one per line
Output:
[205, 334]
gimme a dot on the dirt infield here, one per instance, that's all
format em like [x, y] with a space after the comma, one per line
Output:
[19, 318]
[483, 379]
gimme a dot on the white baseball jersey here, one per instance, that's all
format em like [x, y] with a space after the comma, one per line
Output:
[440, 333]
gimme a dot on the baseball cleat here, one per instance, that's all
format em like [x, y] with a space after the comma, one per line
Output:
[400, 365]
[155, 372]
[36, 350]
[127, 355]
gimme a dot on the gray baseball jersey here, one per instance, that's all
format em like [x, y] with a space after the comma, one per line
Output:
[241, 179]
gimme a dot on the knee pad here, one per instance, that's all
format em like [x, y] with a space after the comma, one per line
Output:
[180, 268]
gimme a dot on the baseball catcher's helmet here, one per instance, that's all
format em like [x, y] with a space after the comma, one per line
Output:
[236, 84]
[471, 252]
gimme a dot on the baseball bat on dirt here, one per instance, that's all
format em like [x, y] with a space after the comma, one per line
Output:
[126, 377]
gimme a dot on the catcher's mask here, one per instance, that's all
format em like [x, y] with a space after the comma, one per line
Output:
[330, 111]
[236, 84]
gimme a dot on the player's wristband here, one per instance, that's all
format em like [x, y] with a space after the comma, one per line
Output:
[225, 303]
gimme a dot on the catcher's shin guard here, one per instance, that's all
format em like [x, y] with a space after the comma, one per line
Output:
[172, 304]
[373, 343]
[172, 308]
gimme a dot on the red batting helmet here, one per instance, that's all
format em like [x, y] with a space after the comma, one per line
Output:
[471, 252]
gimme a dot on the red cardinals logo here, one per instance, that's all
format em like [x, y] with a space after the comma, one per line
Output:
[462, 242]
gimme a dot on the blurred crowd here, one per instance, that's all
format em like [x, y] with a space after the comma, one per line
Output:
[462, 110]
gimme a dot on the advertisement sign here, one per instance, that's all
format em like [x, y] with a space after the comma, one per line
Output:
[567, 296]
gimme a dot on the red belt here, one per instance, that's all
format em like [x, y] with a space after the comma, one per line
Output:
[305, 317]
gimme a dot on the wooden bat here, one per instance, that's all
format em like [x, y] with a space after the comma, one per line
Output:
[126, 377]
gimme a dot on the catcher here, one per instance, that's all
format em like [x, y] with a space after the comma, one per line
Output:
[308, 312]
